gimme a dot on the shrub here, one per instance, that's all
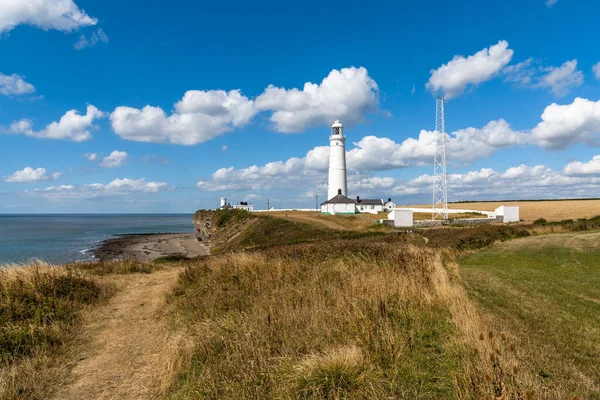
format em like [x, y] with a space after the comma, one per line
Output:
[540, 221]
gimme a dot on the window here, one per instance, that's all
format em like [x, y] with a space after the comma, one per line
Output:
[336, 131]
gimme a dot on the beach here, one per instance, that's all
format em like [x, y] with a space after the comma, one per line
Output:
[148, 247]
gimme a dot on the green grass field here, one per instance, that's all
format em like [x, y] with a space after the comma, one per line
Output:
[545, 292]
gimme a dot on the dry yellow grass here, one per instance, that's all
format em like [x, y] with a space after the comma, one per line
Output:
[551, 210]
[341, 222]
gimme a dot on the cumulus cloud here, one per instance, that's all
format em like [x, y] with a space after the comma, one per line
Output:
[97, 37]
[519, 182]
[454, 77]
[115, 159]
[62, 15]
[562, 125]
[15, 85]
[28, 175]
[577, 168]
[347, 94]
[91, 156]
[274, 175]
[198, 117]
[596, 70]
[463, 146]
[116, 188]
[72, 126]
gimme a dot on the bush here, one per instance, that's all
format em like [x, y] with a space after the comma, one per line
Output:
[540, 221]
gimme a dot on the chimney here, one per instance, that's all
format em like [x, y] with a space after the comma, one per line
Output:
[389, 199]
[358, 199]
[339, 191]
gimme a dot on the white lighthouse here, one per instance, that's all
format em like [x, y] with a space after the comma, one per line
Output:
[337, 161]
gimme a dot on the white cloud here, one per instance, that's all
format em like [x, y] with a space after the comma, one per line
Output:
[91, 156]
[224, 149]
[577, 168]
[522, 73]
[558, 79]
[371, 183]
[115, 159]
[28, 175]
[413, 90]
[62, 15]
[116, 188]
[97, 37]
[563, 125]
[463, 146]
[295, 172]
[14, 85]
[72, 126]
[550, 3]
[561, 79]
[348, 94]
[460, 72]
[596, 70]
[520, 182]
[198, 117]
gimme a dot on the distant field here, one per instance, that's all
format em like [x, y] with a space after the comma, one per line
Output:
[551, 210]
[351, 222]
[544, 291]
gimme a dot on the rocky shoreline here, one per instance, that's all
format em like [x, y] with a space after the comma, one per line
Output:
[148, 247]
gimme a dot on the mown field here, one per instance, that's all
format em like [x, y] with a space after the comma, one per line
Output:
[289, 310]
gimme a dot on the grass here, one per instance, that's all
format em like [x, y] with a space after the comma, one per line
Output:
[545, 291]
[338, 319]
[293, 309]
[115, 267]
[39, 314]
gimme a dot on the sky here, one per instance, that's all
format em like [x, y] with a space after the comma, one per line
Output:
[164, 107]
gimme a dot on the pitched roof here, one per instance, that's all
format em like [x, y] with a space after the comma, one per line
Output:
[339, 199]
[369, 202]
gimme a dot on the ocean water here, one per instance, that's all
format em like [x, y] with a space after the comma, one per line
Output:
[61, 238]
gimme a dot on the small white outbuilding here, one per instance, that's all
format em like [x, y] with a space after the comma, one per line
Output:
[402, 217]
[508, 213]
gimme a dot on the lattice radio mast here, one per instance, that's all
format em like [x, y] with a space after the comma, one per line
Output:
[440, 184]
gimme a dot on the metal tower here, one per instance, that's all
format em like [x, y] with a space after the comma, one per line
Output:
[440, 184]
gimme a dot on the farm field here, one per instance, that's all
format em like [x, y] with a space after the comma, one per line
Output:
[551, 210]
[544, 291]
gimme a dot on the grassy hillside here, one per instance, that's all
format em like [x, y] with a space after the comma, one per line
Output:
[545, 291]
[294, 310]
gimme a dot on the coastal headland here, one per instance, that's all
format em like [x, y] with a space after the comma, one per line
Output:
[323, 307]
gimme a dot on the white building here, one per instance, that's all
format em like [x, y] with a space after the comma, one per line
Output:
[389, 206]
[244, 206]
[337, 161]
[372, 206]
[508, 213]
[402, 217]
[339, 204]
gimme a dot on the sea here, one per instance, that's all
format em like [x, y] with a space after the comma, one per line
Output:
[60, 238]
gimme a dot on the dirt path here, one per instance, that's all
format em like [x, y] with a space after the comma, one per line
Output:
[129, 347]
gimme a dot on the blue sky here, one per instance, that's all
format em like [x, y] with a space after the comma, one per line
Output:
[154, 106]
